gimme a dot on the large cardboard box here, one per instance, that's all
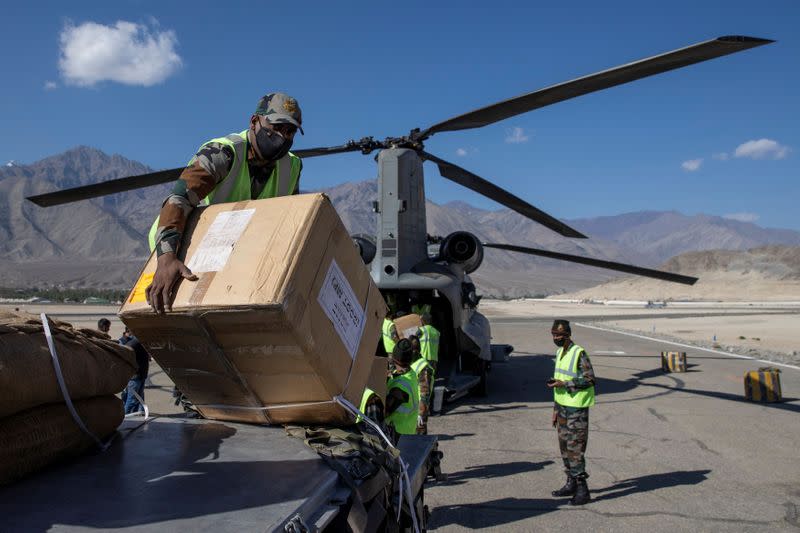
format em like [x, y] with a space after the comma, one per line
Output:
[284, 316]
[408, 325]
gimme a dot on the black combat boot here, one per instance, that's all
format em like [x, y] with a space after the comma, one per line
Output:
[567, 490]
[581, 496]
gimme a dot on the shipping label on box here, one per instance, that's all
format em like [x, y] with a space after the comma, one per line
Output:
[218, 242]
[342, 307]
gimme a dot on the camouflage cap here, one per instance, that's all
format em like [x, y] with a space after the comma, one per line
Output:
[280, 108]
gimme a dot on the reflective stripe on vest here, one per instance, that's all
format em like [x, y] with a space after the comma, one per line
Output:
[419, 365]
[388, 342]
[404, 418]
[566, 369]
[429, 342]
[236, 186]
[364, 399]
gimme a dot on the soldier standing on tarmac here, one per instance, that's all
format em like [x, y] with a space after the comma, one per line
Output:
[573, 389]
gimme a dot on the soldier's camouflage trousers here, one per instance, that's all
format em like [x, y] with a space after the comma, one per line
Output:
[573, 432]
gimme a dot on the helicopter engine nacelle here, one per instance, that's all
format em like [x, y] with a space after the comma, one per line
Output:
[463, 248]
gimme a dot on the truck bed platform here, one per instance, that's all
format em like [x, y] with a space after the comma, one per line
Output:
[177, 474]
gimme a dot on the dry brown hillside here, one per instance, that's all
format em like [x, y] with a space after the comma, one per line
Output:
[767, 273]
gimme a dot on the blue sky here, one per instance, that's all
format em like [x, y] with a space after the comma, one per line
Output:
[720, 137]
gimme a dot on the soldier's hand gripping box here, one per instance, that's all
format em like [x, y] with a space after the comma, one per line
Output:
[283, 318]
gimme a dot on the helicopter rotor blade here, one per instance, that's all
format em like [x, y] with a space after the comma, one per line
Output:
[643, 68]
[490, 190]
[326, 150]
[129, 183]
[611, 265]
[94, 190]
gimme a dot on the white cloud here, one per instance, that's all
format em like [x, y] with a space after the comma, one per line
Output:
[127, 53]
[516, 136]
[742, 217]
[461, 152]
[692, 164]
[50, 85]
[721, 156]
[762, 149]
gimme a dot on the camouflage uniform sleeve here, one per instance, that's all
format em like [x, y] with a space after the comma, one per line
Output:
[209, 167]
[585, 377]
[425, 391]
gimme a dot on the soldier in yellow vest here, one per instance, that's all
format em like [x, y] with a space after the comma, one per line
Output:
[573, 391]
[402, 391]
[389, 333]
[250, 165]
[429, 341]
[425, 376]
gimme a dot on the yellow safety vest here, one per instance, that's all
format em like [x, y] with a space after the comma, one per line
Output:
[419, 365]
[567, 369]
[236, 185]
[429, 342]
[404, 418]
[388, 342]
[364, 399]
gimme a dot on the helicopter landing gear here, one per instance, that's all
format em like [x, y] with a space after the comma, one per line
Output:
[482, 371]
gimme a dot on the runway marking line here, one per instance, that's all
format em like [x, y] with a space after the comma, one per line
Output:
[729, 354]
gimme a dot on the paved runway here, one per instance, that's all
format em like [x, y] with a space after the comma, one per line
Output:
[667, 452]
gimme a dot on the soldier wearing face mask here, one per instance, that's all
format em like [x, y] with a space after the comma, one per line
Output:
[573, 391]
[250, 165]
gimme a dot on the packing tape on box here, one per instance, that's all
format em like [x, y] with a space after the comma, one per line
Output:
[63, 386]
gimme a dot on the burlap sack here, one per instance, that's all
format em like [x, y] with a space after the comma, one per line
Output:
[92, 363]
[31, 440]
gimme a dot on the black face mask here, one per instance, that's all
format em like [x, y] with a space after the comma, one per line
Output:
[271, 144]
[559, 342]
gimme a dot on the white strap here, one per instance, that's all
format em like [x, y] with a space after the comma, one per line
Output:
[59, 376]
[405, 488]
[145, 410]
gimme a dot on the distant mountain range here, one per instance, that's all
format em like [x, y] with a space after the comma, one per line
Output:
[101, 242]
[766, 273]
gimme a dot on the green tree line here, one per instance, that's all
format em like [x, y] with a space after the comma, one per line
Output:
[64, 295]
